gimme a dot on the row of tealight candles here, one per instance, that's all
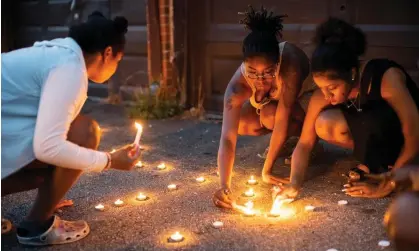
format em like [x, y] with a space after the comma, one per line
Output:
[176, 237]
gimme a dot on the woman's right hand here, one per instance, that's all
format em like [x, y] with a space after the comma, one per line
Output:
[221, 198]
[125, 158]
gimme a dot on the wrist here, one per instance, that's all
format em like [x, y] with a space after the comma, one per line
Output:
[109, 163]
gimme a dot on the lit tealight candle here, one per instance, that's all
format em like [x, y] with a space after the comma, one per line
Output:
[139, 164]
[200, 179]
[100, 207]
[252, 181]
[248, 210]
[217, 224]
[162, 166]
[309, 208]
[249, 193]
[172, 187]
[141, 197]
[139, 132]
[118, 203]
[176, 237]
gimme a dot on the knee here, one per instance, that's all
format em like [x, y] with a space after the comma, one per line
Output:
[267, 116]
[85, 132]
[324, 127]
[401, 221]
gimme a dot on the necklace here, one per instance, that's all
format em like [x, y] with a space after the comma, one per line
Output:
[358, 108]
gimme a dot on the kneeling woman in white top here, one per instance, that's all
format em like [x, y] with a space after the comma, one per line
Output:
[45, 143]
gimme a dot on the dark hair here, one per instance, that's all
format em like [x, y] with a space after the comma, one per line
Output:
[338, 47]
[99, 32]
[264, 27]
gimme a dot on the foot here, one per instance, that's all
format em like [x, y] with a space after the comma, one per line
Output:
[59, 232]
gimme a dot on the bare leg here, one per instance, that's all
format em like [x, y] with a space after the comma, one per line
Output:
[401, 221]
[52, 182]
[331, 126]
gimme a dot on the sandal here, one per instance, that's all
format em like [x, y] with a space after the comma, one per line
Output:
[6, 226]
[60, 232]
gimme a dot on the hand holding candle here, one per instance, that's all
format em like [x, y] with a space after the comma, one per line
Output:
[125, 158]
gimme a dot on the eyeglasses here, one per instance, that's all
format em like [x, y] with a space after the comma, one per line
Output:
[261, 76]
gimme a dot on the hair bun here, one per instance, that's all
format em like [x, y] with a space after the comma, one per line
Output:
[340, 33]
[121, 24]
[95, 14]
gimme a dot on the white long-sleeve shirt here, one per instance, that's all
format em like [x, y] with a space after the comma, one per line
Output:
[43, 90]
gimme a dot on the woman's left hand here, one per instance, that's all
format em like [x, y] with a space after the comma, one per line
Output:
[366, 190]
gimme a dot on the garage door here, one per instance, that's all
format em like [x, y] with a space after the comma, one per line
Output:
[392, 28]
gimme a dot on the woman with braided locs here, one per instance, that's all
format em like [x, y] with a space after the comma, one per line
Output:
[370, 107]
[264, 95]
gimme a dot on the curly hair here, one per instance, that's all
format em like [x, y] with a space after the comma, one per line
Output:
[338, 48]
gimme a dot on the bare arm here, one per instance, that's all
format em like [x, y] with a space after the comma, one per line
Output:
[292, 82]
[394, 91]
[301, 154]
[236, 94]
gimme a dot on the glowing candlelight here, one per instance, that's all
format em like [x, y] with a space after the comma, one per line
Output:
[162, 166]
[100, 207]
[139, 164]
[176, 237]
[141, 197]
[249, 193]
[139, 132]
[279, 210]
[309, 208]
[200, 179]
[248, 211]
[252, 181]
[217, 224]
[118, 203]
[113, 150]
[172, 187]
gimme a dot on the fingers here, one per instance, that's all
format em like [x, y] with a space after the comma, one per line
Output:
[221, 204]
[354, 189]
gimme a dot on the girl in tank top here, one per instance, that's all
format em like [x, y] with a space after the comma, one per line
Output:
[265, 95]
[371, 108]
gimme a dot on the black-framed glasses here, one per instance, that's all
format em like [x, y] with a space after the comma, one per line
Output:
[261, 76]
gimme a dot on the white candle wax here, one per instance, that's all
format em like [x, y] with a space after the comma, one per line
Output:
[118, 203]
[141, 197]
[138, 135]
[310, 208]
[100, 207]
[200, 179]
[176, 237]
[252, 180]
[139, 164]
[342, 202]
[161, 166]
[249, 193]
[217, 224]
[172, 187]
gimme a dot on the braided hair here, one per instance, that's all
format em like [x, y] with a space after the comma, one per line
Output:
[265, 27]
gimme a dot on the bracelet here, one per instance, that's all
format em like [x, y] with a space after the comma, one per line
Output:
[108, 165]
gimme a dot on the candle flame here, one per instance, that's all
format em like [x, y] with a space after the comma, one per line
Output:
[252, 177]
[250, 192]
[247, 209]
[100, 206]
[278, 208]
[138, 126]
[161, 166]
